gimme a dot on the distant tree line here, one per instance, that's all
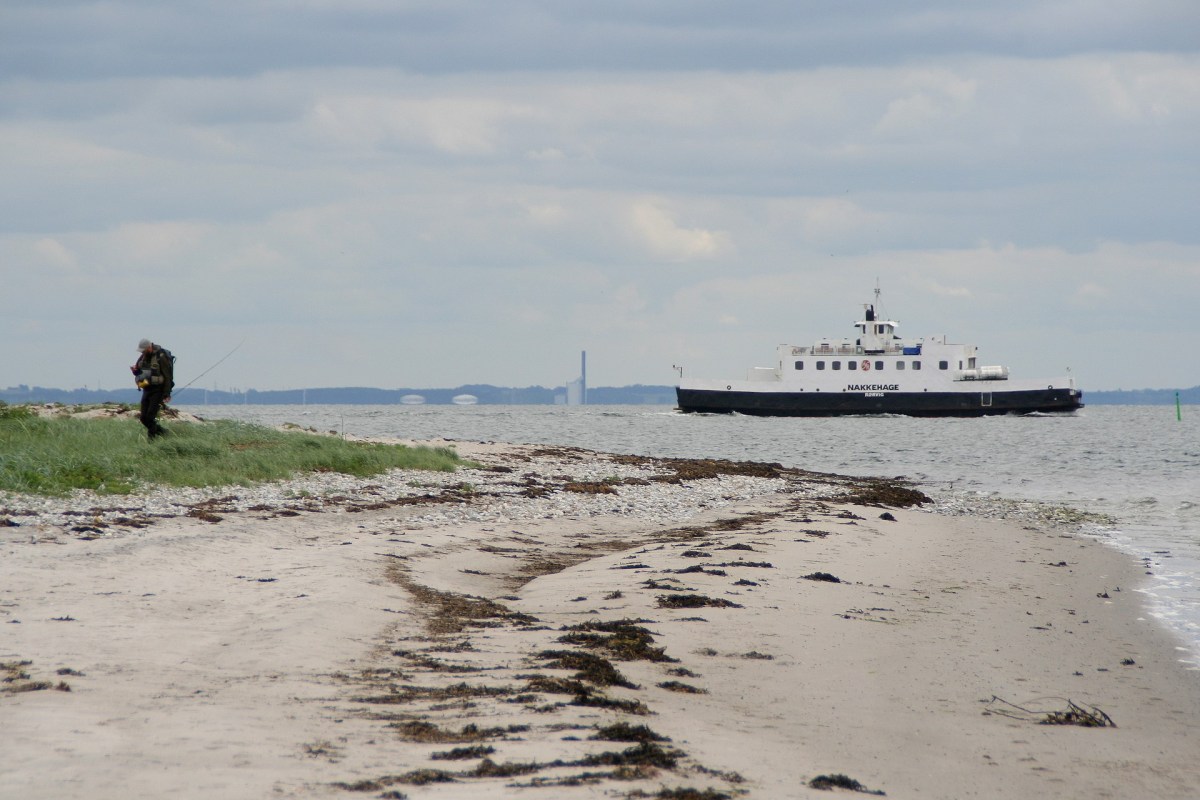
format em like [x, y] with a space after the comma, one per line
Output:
[348, 395]
[638, 394]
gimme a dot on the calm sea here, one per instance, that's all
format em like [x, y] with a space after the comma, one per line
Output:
[1138, 464]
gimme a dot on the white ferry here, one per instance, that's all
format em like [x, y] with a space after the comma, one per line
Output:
[878, 373]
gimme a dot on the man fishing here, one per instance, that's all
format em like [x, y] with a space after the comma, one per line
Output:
[154, 374]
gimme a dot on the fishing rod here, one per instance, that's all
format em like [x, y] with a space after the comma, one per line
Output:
[210, 369]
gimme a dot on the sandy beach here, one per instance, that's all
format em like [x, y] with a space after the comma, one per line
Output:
[681, 631]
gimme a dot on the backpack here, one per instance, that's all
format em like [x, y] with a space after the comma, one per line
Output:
[166, 365]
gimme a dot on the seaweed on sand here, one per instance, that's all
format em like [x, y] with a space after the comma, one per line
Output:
[589, 487]
[452, 613]
[427, 662]
[458, 691]
[1073, 714]
[839, 781]
[701, 468]
[643, 754]
[684, 793]
[14, 679]
[684, 688]
[584, 695]
[417, 777]
[624, 732]
[490, 769]
[593, 668]
[427, 732]
[883, 492]
[464, 753]
[664, 585]
[693, 601]
[720, 573]
[682, 672]
[421, 777]
[622, 639]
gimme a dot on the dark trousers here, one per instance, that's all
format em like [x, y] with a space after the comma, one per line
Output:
[152, 400]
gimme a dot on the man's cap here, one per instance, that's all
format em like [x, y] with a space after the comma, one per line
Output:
[144, 343]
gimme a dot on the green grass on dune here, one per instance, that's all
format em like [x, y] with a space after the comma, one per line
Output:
[53, 456]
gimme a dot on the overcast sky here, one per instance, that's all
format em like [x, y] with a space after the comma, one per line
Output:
[428, 194]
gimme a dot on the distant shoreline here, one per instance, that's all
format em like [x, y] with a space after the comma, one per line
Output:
[485, 394]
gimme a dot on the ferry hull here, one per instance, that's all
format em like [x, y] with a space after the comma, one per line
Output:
[915, 404]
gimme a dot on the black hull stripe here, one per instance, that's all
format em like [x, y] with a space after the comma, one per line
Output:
[922, 404]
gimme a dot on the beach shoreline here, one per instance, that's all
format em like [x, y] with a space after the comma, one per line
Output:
[334, 644]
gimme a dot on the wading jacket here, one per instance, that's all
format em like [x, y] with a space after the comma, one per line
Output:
[158, 367]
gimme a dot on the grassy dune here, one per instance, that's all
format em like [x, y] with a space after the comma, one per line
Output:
[55, 455]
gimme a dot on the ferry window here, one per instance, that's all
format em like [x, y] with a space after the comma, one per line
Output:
[800, 365]
[899, 365]
[820, 365]
[916, 365]
[837, 365]
[943, 365]
[878, 365]
[851, 365]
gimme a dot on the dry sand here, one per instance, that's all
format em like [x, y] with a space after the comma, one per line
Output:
[334, 655]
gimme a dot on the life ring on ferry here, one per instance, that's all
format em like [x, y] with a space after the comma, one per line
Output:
[866, 365]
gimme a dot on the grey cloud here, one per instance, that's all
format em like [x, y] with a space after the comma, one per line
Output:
[219, 37]
[994, 143]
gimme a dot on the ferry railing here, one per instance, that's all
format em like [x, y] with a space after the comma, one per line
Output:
[843, 350]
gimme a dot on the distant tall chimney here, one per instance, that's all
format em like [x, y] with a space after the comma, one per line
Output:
[583, 378]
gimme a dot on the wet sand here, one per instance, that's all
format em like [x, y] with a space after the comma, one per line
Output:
[745, 653]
